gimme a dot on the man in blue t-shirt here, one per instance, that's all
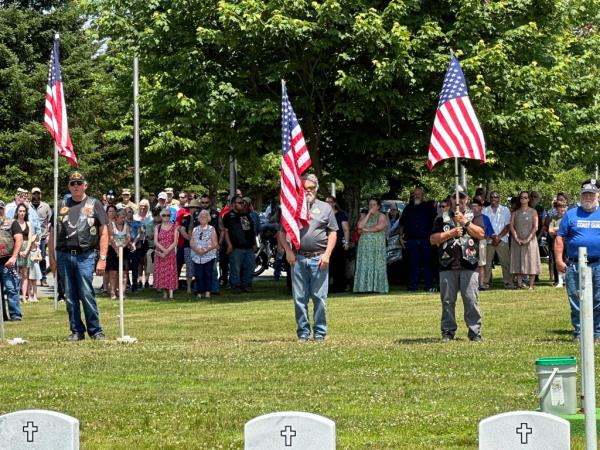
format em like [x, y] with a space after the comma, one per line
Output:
[580, 227]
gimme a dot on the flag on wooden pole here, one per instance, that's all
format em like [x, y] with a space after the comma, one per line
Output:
[55, 115]
[295, 159]
[456, 131]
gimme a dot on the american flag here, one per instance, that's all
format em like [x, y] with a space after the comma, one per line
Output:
[456, 131]
[295, 159]
[55, 115]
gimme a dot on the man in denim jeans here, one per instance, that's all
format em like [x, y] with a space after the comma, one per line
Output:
[11, 238]
[580, 227]
[240, 239]
[81, 230]
[310, 263]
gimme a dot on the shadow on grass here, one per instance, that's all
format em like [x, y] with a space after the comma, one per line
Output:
[562, 332]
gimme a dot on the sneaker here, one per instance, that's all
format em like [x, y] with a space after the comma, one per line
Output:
[99, 336]
[576, 339]
[303, 339]
[596, 339]
[16, 318]
[447, 337]
[75, 337]
[248, 289]
[44, 283]
[476, 338]
[484, 287]
[432, 289]
[319, 338]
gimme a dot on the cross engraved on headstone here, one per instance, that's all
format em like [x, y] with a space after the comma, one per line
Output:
[30, 429]
[288, 433]
[524, 431]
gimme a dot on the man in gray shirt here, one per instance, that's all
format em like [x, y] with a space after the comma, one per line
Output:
[310, 263]
[44, 214]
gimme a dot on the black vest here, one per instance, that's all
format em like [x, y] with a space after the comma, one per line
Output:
[87, 227]
[7, 242]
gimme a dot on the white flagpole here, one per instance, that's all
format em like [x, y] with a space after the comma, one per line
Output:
[123, 337]
[136, 130]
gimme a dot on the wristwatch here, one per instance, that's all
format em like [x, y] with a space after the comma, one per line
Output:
[102, 257]
[466, 225]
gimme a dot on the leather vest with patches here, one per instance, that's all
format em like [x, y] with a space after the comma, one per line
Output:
[7, 242]
[87, 227]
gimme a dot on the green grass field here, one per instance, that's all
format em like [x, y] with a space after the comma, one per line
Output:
[202, 369]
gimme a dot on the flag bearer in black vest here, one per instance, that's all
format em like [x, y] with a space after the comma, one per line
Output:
[81, 232]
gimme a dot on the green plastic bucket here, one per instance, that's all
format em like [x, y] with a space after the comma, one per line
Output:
[557, 383]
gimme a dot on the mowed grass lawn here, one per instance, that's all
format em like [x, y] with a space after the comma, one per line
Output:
[201, 369]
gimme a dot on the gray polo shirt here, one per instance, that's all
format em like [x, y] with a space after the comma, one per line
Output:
[45, 214]
[322, 220]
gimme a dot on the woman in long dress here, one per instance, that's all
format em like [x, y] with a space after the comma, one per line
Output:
[371, 267]
[165, 260]
[524, 251]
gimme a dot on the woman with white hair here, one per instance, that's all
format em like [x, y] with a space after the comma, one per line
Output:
[204, 244]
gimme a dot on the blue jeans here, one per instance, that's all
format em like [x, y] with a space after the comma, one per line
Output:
[241, 267]
[43, 267]
[419, 254]
[572, 280]
[77, 272]
[11, 287]
[204, 273]
[309, 281]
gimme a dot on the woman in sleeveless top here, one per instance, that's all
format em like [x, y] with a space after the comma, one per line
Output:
[24, 259]
[204, 246]
[371, 264]
[165, 260]
[119, 236]
[524, 251]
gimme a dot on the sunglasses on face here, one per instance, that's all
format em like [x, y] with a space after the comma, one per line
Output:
[165, 215]
[76, 183]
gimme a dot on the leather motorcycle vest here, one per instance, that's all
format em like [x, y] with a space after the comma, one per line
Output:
[86, 228]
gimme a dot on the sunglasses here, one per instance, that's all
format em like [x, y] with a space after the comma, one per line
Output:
[239, 203]
[165, 215]
[76, 183]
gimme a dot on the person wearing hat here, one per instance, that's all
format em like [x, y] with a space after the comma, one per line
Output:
[163, 200]
[81, 231]
[127, 203]
[11, 239]
[580, 227]
[170, 200]
[44, 213]
[111, 198]
[457, 233]
[22, 196]
[186, 222]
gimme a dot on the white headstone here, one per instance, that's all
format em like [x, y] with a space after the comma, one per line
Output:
[36, 429]
[290, 431]
[524, 430]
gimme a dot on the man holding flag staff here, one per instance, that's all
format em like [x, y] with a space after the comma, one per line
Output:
[309, 227]
[457, 134]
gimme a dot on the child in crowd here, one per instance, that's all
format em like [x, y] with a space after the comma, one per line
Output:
[35, 273]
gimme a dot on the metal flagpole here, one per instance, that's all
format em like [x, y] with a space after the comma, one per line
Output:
[123, 338]
[136, 130]
[586, 310]
[54, 222]
[456, 176]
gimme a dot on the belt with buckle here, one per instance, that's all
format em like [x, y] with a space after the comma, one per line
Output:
[310, 254]
[76, 251]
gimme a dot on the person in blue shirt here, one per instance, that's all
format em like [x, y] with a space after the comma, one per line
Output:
[580, 227]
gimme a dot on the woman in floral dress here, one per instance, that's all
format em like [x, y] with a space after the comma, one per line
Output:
[371, 267]
[165, 259]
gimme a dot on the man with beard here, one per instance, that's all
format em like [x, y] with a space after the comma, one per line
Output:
[310, 263]
[580, 227]
[415, 227]
[457, 234]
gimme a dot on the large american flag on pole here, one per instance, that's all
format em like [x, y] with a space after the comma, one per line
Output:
[456, 131]
[295, 159]
[55, 115]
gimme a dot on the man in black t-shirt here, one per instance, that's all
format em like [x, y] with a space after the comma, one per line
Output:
[457, 235]
[240, 239]
[81, 230]
[11, 238]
